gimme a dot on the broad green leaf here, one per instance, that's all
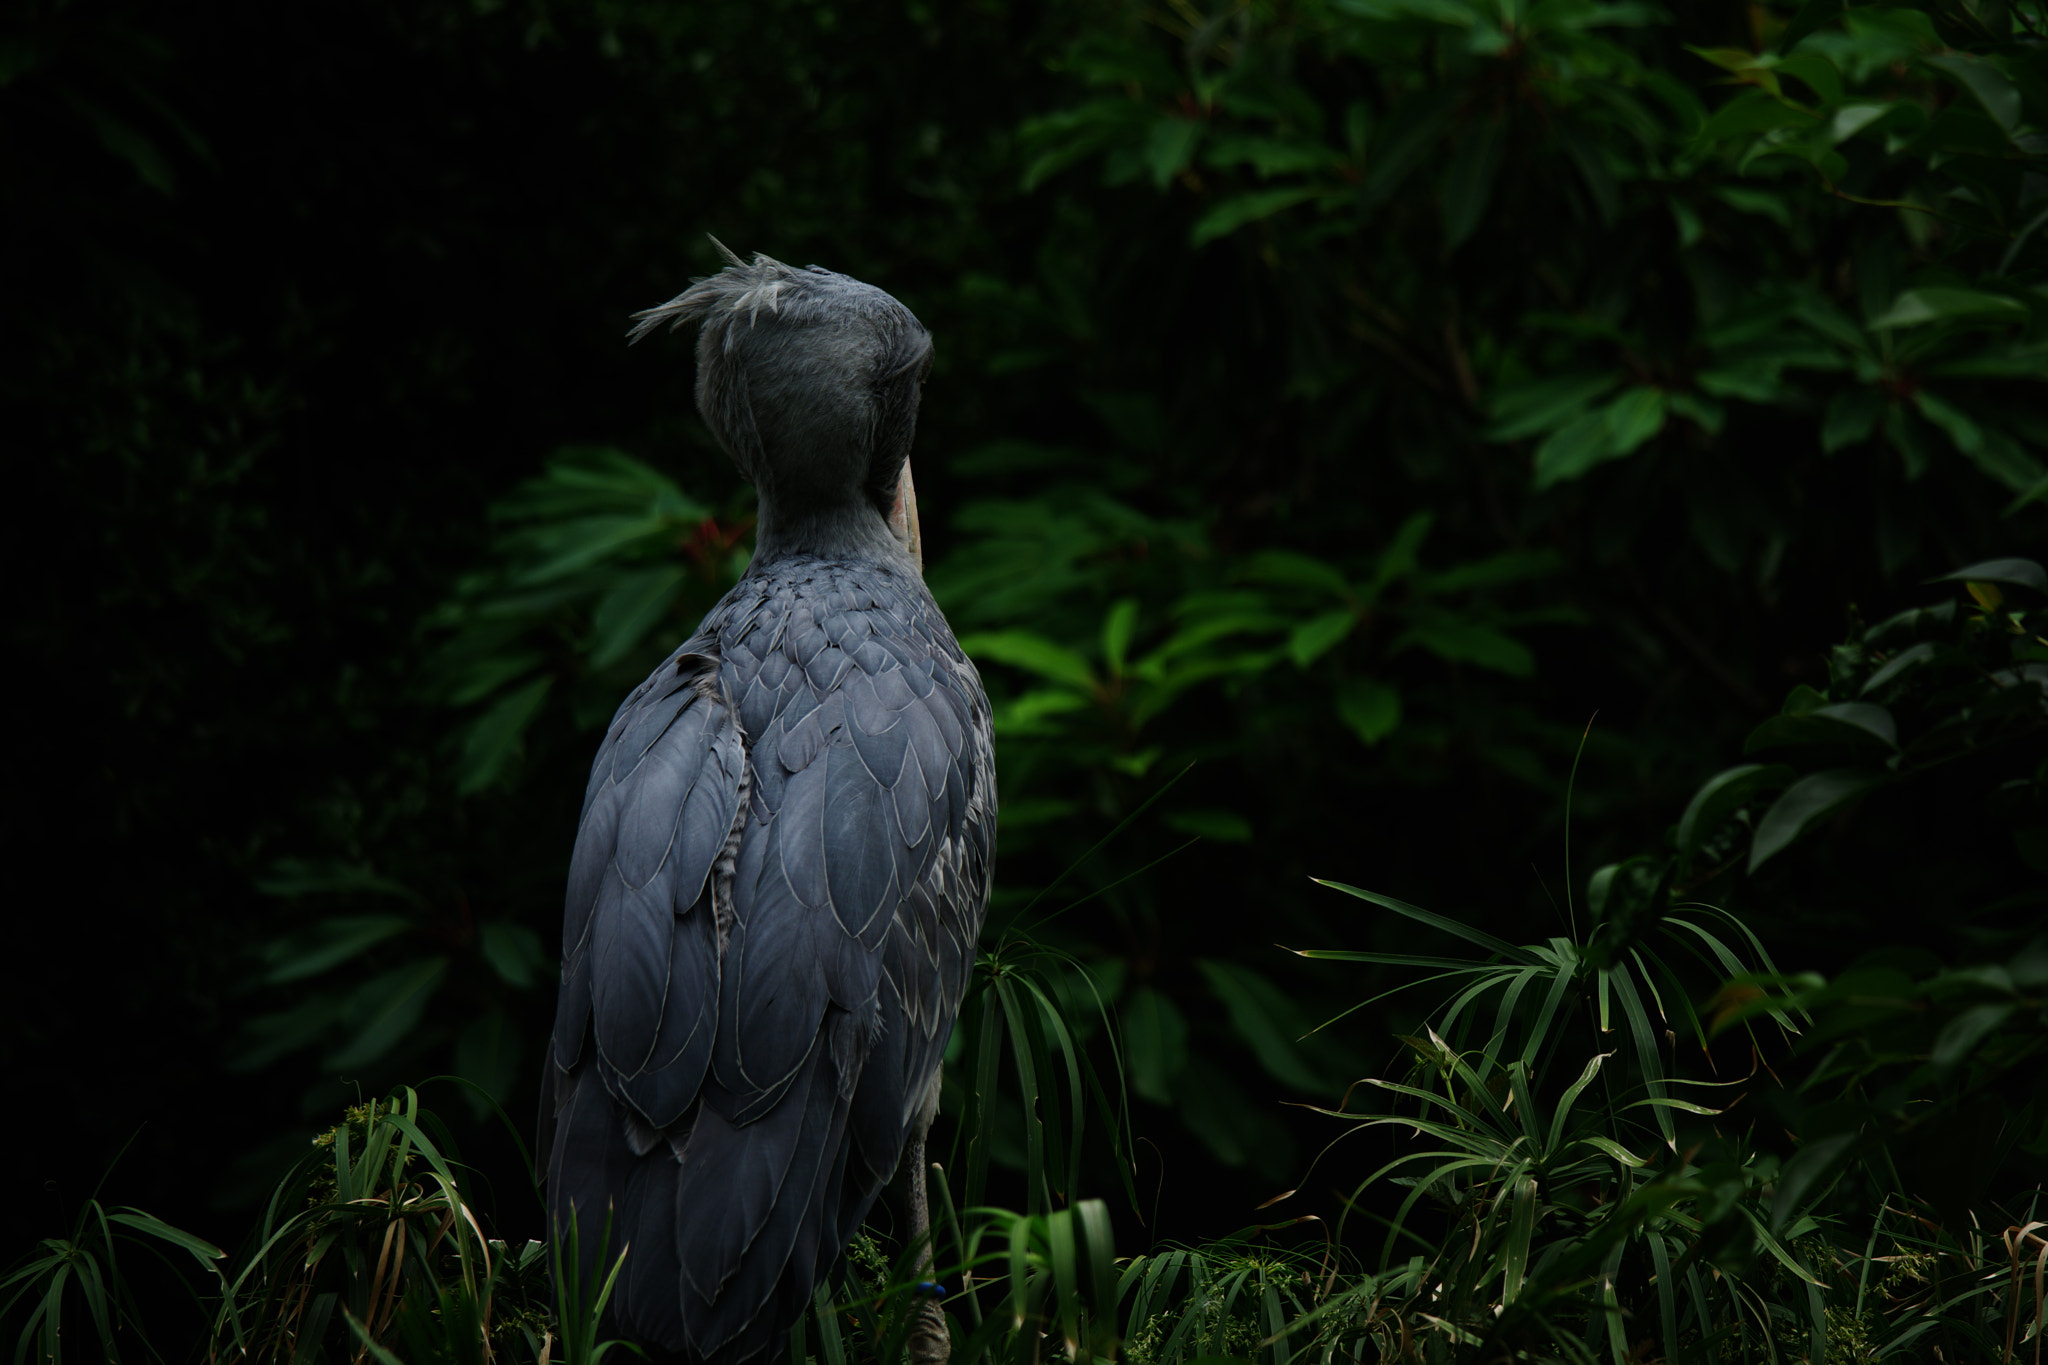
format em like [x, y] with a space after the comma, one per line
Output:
[1816, 71]
[1270, 156]
[1034, 653]
[498, 734]
[1573, 450]
[293, 877]
[1805, 804]
[1472, 642]
[513, 950]
[1117, 629]
[1171, 144]
[1851, 418]
[1404, 141]
[1370, 707]
[1992, 88]
[1510, 566]
[1749, 113]
[1760, 202]
[1155, 1043]
[1033, 715]
[1865, 716]
[1852, 119]
[1960, 1036]
[487, 1052]
[485, 676]
[2006, 462]
[1317, 636]
[1705, 411]
[1265, 1019]
[630, 609]
[329, 944]
[384, 1010]
[1820, 728]
[2019, 361]
[2024, 573]
[1934, 304]
[1290, 569]
[1468, 181]
[1225, 827]
[1634, 418]
[1544, 405]
[571, 546]
[1802, 1173]
[1606, 433]
[1232, 214]
[1910, 657]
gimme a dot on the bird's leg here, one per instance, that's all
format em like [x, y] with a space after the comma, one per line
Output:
[930, 1343]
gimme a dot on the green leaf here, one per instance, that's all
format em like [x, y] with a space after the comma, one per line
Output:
[1225, 827]
[1472, 642]
[1572, 450]
[1370, 707]
[1866, 716]
[1270, 156]
[1265, 1019]
[1290, 569]
[1750, 113]
[384, 1010]
[1033, 652]
[498, 735]
[1457, 928]
[1705, 411]
[1170, 146]
[1634, 418]
[1232, 214]
[293, 877]
[1852, 119]
[513, 950]
[487, 1052]
[1315, 637]
[2022, 573]
[328, 944]
[1814, 1159]
[630, 609]
[1155, 1043]
[1761, 202]
[1851, 418]
[1521, 410]
[202, 1250]
[1805, 804]
[1606, 433]
[1816, 71]
[1468, 181]
[1510, 566]
[1721, 796]
[1117, 629]
[1960, 1036]
[1918, 306]
[572, 546]
[1992, 88]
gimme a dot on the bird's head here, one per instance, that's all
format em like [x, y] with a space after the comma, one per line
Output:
[810, 381]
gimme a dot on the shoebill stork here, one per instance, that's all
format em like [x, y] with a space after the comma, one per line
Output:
[783, 857]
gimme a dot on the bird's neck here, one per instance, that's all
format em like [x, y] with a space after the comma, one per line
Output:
[852, 530]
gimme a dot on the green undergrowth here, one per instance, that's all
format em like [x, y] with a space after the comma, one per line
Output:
[1638, 1138]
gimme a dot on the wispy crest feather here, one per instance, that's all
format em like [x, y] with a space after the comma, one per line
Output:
[742, 287]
